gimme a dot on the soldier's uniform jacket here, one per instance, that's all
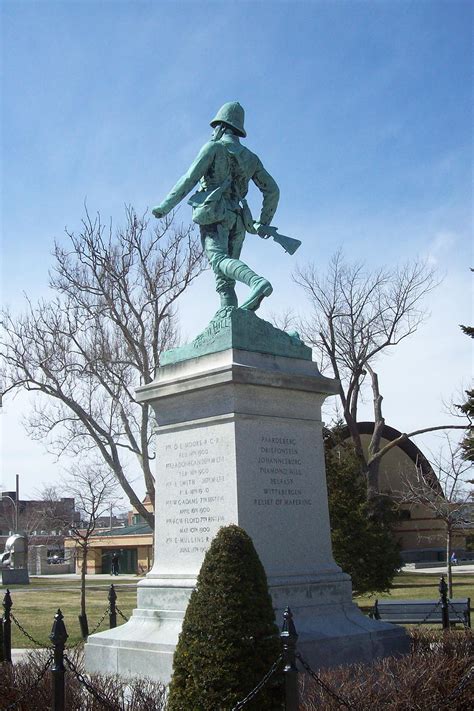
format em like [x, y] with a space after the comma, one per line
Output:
[224, 169]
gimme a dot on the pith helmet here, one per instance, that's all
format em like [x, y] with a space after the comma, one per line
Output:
[233, 115]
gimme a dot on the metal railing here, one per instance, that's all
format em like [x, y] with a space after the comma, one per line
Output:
[60, 664]
[9, 618]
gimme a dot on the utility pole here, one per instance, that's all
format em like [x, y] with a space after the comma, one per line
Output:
[17, 501]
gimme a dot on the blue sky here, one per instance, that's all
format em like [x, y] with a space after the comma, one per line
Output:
[361, 110]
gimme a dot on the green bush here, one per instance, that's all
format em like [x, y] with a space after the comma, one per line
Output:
[229, 638]
[363, 546]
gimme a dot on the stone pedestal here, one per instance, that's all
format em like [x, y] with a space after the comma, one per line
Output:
[15, 576]
[239, 441]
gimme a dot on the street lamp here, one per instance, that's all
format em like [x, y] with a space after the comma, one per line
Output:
[14, 502]
[6, 496]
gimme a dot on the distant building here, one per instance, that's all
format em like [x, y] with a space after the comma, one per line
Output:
[133, 543]
[420, 534]
[45, 522]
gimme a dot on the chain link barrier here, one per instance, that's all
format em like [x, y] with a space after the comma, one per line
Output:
[41, 645]
[465, 682]
[48, 645]
[93, 631]
[107, 611]
[259, 686]
[90, 688]
[321, 683]
[35, 685]
[121, 613]
[429, 613]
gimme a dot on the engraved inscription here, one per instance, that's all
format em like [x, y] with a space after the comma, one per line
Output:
[193, 476]
[280, 471]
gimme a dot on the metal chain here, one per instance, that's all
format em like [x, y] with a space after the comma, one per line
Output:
[107, 610]
[42, 645]
[71, 647]
[259, 686]
[82, 680]
[121, 613]
[466, 680]
[81, 641]
[32, 687]
[321, 683]
[429, 613]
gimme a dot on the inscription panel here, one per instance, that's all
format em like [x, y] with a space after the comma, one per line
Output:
[195, 494]
[282, 494]
[280, 472]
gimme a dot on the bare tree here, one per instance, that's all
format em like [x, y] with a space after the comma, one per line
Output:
[86, 350]
[449, 499]
[40, 519]
[358, 315]
[54, 516]
[94, 490]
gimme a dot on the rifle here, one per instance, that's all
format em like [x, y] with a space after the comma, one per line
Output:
[289, 244]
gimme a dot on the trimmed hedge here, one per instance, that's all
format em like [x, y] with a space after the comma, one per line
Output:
[229, 638]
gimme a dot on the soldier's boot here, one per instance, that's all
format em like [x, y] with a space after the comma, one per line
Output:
[261, 287]
[228, 297]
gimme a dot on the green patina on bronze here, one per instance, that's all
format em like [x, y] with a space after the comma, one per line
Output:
[223, 169]
[243, 330]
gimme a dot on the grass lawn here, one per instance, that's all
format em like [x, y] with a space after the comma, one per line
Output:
[415, 586]
[34, 606]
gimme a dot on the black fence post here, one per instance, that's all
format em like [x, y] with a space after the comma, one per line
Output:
[112, 608]
[7, 627]
[1, 640]
[58, 637]
[376, 611]
[443, 591]
[288, 637]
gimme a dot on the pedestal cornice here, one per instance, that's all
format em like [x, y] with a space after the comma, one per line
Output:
[239, 368]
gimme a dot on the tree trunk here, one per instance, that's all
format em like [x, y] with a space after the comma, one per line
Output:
[83, 580]
[449, 567]
[83, 616]
[373, 480]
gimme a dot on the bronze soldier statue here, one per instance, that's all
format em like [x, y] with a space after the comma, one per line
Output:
[224, 168]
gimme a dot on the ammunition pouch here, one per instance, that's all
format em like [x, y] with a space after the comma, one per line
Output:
[209, 206]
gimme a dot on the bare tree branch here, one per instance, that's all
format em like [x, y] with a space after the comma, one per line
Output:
[356, 316]
[448, 501]
[86, 350]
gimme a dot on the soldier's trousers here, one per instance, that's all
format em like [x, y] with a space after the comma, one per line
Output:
[221, 241]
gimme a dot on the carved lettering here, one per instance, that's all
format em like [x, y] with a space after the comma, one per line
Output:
[194, 475]
[279, 464]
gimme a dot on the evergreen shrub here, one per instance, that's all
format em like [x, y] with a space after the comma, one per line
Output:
[364, 546]
[229, 638]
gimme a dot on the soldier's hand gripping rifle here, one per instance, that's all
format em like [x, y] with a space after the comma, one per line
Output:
[289, 244]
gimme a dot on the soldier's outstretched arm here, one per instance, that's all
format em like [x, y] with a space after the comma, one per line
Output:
[270, 191]
[188, 181]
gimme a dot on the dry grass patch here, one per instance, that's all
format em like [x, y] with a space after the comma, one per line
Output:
[25, 685]
[438, 674]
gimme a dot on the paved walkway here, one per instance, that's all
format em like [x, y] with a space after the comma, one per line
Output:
[97, 576]
[457, 569]
[19, 654]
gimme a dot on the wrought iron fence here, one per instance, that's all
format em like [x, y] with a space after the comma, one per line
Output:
[59, 663]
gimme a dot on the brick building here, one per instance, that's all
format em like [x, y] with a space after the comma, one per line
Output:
[45, 522]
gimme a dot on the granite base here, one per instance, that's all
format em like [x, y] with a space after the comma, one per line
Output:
[240, 441]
